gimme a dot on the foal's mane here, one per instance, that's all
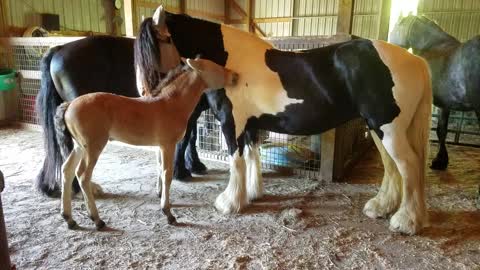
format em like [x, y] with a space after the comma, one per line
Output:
[167, 86]
[147, 54]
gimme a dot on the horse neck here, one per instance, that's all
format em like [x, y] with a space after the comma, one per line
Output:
[430, 39]
[184, 92]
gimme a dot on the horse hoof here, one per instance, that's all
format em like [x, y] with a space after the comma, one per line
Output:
[439, 165]
[171, 220]
[403, 222]
[100, 225]
[183, 175]
[198, 168]
[72, 224]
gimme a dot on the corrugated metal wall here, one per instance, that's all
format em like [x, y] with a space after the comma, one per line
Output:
[78, 15]
[366, 16]
[460, 18]
[296, 17]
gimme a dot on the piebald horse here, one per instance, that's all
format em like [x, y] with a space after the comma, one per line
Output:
[310, 92]
[455, 68]
[158, 120]
[86, 65]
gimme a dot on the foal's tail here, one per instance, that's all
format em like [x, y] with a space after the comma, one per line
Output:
[419, 130]
[47, 101]
[64, 138]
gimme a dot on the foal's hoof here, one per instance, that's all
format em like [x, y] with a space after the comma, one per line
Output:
[182, 175]
[171, 220]
[100, 225]
[439, 164]
[72, 224]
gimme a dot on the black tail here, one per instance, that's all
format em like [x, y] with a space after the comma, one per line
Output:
[64, 138]
[48, 99]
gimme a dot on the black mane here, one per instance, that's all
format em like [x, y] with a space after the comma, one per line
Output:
[147, 54]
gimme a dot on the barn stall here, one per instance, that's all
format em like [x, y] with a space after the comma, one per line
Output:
[311, 216]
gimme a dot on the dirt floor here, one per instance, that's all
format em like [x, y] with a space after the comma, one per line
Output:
[300, 224]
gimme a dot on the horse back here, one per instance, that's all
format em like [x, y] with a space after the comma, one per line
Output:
[99, 62]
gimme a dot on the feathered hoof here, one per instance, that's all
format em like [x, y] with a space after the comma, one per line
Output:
[374, 208]
[227, 205]
[182, 175]
[405, 223]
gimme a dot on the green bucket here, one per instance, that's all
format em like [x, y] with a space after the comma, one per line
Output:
[7, 79]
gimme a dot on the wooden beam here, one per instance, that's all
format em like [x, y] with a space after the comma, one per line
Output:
[3, 18]
[130, 17]
[183, 7]
[238, 9]
[226, 4]
[251, 16]
[345, 16]
[384, 21]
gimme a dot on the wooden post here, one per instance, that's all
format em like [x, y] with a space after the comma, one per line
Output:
[327, 155]
[251, 15]
[183, 7]
[3, 18]
[130, 17]
[227, 11]
[384, 21]
[345, 16]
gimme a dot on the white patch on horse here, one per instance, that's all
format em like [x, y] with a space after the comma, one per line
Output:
[259, 89]
[233, 198]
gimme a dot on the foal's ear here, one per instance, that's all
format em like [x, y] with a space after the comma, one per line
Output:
[195, 64]
[159, 16]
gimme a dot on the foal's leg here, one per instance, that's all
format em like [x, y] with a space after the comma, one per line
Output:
[253, 167]
[167, 153]
[160, 172]
[68, 174]
[84, 175]
[411, 215]
[389, 195]
[440, 162]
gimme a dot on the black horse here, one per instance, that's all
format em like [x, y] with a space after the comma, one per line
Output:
[95, 63]
[455, 69]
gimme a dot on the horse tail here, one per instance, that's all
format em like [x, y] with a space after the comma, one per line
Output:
[63, 135]
[419, 129]
[46, 104]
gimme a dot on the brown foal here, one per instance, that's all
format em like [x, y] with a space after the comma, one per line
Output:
[157, 120]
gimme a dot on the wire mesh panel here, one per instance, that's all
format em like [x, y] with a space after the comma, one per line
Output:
[463, 128]
[24, 55]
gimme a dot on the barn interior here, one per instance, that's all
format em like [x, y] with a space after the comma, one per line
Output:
[315, 186]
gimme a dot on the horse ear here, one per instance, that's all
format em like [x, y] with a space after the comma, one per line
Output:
[195, 64]
[159, 16]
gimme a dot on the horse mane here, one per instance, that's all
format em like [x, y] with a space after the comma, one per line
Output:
[147, 54]
[166, 86]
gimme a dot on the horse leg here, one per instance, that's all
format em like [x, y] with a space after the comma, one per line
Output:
[253, 166]
[440, 162]
[233, 198]
[68, 174]
[192, 161]
[167, 154]
[84, 175]
[411, 215]
[389, 195]
[160, 172]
